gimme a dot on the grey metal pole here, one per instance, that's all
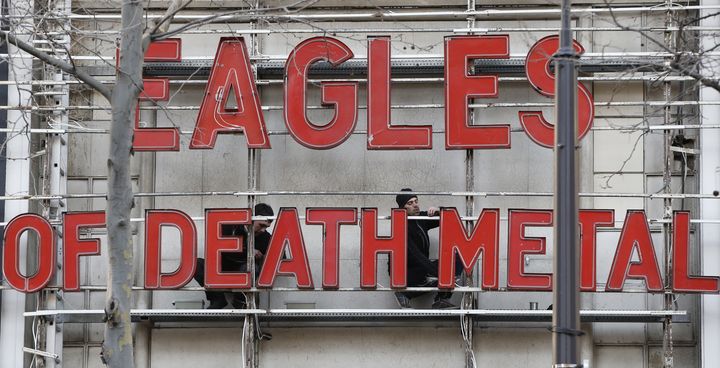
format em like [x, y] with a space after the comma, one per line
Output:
[566, 296]
[4, 76]
[668, 360]
[469, 299]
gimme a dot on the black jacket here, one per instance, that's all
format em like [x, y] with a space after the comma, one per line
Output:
[419, 264]
[231, 261]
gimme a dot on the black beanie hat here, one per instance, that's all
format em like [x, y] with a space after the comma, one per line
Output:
[401, 199]
[263, 209]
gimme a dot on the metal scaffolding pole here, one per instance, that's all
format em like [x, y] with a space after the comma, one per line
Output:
[667, 202]
[374, 14]
[469, 300]
[252, 343]
[566, 295]
[17, 165]
[328, 30]
[709, 179]
[55, 182]
[660, 104]
[4, 77]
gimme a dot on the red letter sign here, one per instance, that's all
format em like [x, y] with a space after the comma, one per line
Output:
[45, 257]
[155, 220]
[537, 68]
[382, 135]
[394, 245]
[341, 95]
[230, 76]
[635, 235]
[519, 245]
[460, 87]
[215, 244]
[157, 89]
[682, 281]
[590, 220]
[287, 232]
[331, 219]
[484, 239]
[74, 247]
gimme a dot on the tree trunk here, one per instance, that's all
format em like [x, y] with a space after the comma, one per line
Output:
[117, 350]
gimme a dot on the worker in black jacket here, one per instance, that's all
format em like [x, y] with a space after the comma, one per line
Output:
[421, 270]
[237, 261]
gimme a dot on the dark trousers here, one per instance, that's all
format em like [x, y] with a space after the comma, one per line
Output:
[217, 298]
[418, 278]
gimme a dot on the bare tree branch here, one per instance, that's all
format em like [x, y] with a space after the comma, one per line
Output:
[641, 32]
[163, 24]
[298, 5]
[62, 65]
[705, 81]
[682, 63]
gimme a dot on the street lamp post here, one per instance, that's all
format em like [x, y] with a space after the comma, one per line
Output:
[566, 296]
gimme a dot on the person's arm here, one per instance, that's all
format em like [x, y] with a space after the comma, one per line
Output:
[430, 224]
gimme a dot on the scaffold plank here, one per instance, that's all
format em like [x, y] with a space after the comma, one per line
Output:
[361, 315]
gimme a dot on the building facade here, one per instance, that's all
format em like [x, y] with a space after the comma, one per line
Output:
[653, 148]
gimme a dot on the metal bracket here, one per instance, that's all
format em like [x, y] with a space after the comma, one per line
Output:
[689, 151]
[42, 353]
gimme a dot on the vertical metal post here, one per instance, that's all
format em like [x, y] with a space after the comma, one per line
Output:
[57, 153]
[469, 299]
[251, 342]
[251, 346]
[54, 299]
[709, 237]
[144, 298]
[566, 296]
[667, 202]
[17, 163]
[3, 117]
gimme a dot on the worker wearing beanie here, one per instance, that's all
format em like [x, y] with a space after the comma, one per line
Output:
[237, 261]
[421, 271]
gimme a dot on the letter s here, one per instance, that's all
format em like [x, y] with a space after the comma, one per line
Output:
[537, 69]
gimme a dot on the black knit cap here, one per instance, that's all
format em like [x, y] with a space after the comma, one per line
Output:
[401, 199]
[263, 209]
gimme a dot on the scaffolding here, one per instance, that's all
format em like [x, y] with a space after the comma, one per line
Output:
[53, 105]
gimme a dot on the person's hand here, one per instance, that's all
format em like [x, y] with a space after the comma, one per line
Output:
[433, 211]
[258, 254]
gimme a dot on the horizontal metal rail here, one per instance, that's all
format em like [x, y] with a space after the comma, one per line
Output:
[273, 66]
[420, 289]
[140, 315]
[650, 77]
[386, 15]
[275, 58]
[394, 107]
[300, 315]
[338, 32]
[617, 224]
[362, 193]
[642, 128]
[619, 55]
[52, 356]
[485, 315]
